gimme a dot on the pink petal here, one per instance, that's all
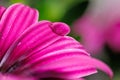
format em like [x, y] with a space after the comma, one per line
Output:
[59, 29]
[13, 77]
[63, 44]
[16, 15]
[53, 54]
[68, 65]
[87, 63]
[65, 64]
[14, 21]
[103, 67]
[24, 44]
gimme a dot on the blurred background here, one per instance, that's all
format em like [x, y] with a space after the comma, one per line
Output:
[95, 23]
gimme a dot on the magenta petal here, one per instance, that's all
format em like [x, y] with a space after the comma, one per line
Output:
[60, 28]
[20, 46]
[13, 77]
[2, 9]
[74, 71]
[88, 62]
[14, 21]
[103, 67]
[38, 35]
[71, 72]
[63, 44]
[72, 75]
[52, 55]
[30, 48]
[65, 64]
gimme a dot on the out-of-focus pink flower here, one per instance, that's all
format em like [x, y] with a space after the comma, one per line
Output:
[95, 26]
[92, 37]
[112, 36]
[41, 49]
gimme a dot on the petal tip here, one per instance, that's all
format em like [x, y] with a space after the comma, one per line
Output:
[60, 28]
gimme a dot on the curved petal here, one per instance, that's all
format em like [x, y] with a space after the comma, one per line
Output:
[62, 52]
[37, 34]
[53, 54]
[13, 77]
[86, 67]
[102, 66]
[67, 65]
[65, 44]
[62, 43]
[14, 21]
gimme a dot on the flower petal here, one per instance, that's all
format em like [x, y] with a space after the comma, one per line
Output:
[14, 21]
[13, 77]
[103, 67]
[24, 44]
[63, 44]
[67, 65]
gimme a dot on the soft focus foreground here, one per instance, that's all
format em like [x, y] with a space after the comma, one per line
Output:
[41, 49]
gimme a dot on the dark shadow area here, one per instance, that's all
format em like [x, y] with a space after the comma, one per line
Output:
[114, 58]
[75, 12]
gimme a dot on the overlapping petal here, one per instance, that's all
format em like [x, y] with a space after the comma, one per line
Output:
[14, 21]
[37, 35]
[42, 49]
[51, 54]
[11, 77]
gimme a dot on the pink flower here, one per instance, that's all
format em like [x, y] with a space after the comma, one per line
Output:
[112, 36]
[100, 25]
[41, 49]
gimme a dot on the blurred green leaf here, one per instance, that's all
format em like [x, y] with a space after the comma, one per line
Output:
[75, 12]
[17, 1]
[52, 10]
